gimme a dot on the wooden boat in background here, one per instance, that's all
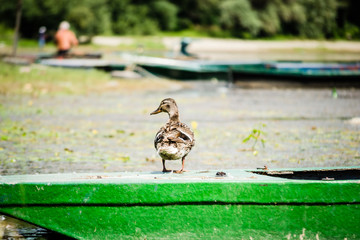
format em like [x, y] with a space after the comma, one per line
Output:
[233, 204]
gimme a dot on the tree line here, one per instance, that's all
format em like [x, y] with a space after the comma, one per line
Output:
[312, 19]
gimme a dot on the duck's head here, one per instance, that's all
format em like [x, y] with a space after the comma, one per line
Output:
[167, 105]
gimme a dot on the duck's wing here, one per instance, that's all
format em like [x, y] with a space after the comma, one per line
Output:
[159, 136]
[186, 134]
[180, 133]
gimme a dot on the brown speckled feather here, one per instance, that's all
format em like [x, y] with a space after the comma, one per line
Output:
[175, 133]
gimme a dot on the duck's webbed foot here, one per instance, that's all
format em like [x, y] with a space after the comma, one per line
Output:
[182, 168]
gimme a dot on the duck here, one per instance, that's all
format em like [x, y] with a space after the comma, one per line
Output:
[175, 139]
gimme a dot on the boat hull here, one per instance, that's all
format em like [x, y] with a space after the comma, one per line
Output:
[226, 221]
[302, 74]
[196, 204]
[295, 73]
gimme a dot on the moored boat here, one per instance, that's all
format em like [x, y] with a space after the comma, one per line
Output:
[232, 204]
[307, 73]
[345, 74]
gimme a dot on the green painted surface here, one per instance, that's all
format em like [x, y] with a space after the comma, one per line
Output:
[186, 206]
[193, 221]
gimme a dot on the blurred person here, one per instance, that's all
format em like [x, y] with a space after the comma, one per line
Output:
[65, 39]
[42, 37]
[185, 42]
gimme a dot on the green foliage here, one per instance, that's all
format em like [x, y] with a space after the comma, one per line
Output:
[240, 18]
[135, 21]
[91, 18]
[292, 15]
[192, 13]
[37, 13]
[166, 14]
[256, 134]
[7, 34]
[320, 18]
[352, 31]
[81, 18]
[270, 19]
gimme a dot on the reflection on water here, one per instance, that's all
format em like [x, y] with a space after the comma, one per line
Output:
[11, 228]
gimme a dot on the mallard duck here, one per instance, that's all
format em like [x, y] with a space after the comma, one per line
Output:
[174, 140]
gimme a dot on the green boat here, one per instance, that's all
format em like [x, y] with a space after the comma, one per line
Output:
[188, 69]
[307, 73]
[83, 63]
[232, 204]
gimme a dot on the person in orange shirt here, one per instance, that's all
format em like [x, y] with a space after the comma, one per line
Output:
[65, 39]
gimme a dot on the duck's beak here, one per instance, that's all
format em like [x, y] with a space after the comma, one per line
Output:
[156, 111]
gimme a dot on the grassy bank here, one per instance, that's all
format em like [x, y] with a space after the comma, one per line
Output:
[36, 80]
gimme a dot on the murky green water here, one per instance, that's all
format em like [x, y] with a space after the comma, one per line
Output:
[114, 132]
[11, 228]
[111, 132]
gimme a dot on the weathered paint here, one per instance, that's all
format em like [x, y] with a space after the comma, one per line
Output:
[190, 205]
